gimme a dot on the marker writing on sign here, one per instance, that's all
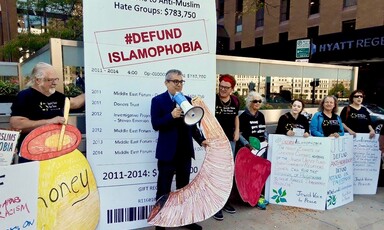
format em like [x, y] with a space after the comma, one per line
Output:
[1, 176]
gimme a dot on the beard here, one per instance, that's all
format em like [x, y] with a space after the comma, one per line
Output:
[52, 90]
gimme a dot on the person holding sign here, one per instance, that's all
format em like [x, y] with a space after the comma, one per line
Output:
[174, 148]
[326, 123]
[294, 123]
[355, 117]
[40, 104]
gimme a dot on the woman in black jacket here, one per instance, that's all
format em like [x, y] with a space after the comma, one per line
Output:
[294, 123]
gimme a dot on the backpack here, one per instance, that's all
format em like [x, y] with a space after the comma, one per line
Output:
[235, 100]
[347, 113]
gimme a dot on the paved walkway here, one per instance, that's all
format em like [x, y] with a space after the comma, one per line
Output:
[366, 212]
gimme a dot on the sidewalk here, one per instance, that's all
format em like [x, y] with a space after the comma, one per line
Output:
[366, 212]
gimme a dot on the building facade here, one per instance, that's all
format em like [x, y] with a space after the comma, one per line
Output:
[345, 32]
[8, 21]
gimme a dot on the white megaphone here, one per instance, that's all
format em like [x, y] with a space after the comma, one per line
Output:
[192, 114]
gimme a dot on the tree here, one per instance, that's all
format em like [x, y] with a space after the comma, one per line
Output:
[339, 90]
[55, 18]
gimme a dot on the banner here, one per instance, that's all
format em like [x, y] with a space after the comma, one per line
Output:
[366, 164]
[8, 141]
[129, 45]
[306, 171]
[18, 196]
[340, 188]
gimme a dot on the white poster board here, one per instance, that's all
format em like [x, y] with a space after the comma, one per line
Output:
[129, 46]
[304, 171]
[366, 164]
[340, 187]
[8, 141]
[18, 196]
[299, 173]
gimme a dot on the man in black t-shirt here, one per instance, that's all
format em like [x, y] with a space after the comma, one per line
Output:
[40, 104]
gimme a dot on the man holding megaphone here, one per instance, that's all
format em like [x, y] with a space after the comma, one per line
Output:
[174, 148]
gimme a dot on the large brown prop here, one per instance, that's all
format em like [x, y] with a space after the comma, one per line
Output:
[209, 190]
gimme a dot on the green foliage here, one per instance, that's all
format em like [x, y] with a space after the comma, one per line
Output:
[71, 90]
[9, 87]
[339, 90]
[241, 100]
[252, 6]
[68, 26]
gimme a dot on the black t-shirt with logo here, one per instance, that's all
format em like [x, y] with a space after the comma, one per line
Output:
[330, 125]
[357, 120]
[34, 105]
[226, 115]
[252, 125]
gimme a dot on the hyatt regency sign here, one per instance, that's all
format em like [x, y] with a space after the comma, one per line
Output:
[351, 44]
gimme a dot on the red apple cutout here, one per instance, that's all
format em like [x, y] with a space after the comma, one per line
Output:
[251, 172]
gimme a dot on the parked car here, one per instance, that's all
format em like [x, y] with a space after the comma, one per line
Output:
[377, 116]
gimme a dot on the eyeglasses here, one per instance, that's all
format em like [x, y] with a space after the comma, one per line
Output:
[358, 96]
[51, 79]
[177, 82]
[224, 87]
[256, 101]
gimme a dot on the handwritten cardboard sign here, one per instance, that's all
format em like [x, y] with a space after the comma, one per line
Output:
[366, 164]
[18, 193]
[305, 170]
[8, 141]
[340, 187]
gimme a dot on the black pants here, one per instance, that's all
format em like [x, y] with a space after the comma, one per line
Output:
[180, 165]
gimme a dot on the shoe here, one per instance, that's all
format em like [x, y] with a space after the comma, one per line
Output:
[218, 216]
[193, 227]
[228, 208]
[262, 203]
[159, 228]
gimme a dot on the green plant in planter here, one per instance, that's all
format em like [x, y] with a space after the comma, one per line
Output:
[71, 90]
[8, 88]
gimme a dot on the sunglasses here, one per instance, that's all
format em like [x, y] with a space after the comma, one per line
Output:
[358, 96]
[256, 101]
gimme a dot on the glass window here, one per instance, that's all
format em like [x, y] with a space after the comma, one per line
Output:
[260, 17]
[348, 3]
[239, 6]
[239, 23]
[314, 7]
[284, 10]
[313, 32]
[238, 45]
[283, 37]
[259, 41]
[221, 9]
[348, 26]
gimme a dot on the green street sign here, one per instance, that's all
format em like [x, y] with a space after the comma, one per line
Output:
[303, 48]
